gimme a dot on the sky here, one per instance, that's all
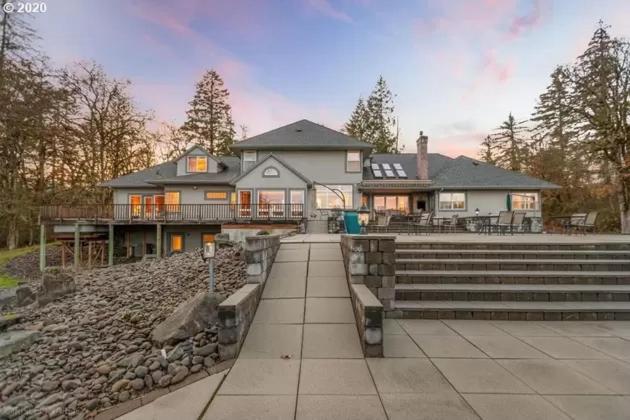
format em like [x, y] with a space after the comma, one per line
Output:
[456, 67]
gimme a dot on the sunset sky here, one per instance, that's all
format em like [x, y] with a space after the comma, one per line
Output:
[457, 67]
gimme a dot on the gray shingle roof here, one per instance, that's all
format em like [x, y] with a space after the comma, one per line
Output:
[302, 135]
[166, 173]
[461, 172]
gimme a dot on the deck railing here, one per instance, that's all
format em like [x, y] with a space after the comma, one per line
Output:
[175, 212]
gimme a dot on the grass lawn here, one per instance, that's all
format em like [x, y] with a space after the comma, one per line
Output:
[6, 255]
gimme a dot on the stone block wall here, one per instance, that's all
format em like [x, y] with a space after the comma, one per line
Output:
[260, 252]
[371, 260]
[236, 313]
[368, 312]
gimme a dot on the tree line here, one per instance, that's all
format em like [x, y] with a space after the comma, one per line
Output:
[578, 136]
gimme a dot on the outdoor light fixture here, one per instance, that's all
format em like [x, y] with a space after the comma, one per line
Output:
[208, 256]
[364, 219]
[477, 212]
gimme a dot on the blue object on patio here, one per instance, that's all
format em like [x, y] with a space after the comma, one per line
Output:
[351, 219]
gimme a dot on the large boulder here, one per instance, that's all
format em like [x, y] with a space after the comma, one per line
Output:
[55, 284]
[24, 296]
[189, 318]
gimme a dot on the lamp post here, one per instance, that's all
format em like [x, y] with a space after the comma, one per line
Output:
[364, 219]
[208, 256]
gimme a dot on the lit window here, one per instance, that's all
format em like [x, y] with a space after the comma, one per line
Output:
[524, 201]
[353, 161]
[271, 172]
[177, 242]
[216, 195]
[249, 156]
[329, 198]
[297, 202]
[171, 198]
[399, 203]
[270, 203]
[452, 201]
[197, 164]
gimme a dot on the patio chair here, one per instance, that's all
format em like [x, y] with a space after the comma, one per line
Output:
[412, 221]
[424, 223]
[382, 222]
[503, 224]
[575, 222]
[518, 221]
[450, 225]
[586, 222]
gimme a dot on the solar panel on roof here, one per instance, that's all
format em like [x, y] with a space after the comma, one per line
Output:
[389, 173]
[377, 173]
[397, 166]
[375, 166]
[386, 166]
[401, 173]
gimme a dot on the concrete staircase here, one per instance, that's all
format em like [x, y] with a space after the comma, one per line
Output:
[513, 281]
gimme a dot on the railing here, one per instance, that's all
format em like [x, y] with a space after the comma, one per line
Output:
[175, 212]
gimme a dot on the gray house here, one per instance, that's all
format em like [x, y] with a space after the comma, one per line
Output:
[295, 176]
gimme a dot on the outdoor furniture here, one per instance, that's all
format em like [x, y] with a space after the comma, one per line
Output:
[581, 222]
[382, 222]
[424, 223]
[450, 224]
[518, 221]
[503, 224]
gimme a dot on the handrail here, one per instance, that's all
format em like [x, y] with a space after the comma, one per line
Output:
[174, 212]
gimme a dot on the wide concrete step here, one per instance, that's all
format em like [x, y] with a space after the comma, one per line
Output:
[511, 277]
[442, 309]
[502, 264]
[514, 254]
[514, 292]
[481, 243]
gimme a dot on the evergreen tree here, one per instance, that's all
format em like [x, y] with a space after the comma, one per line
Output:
[487, 150]
[510, 145]
[373, 120]
[357, 125]
[209, 119]
[601, 102]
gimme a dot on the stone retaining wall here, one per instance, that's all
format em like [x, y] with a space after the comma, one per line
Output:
[371, 260]
[236, 313]
[368, 312]
[260, 252]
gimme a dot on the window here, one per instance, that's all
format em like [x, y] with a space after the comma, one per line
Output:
[206, 238]
[245, 201]
[249, 156]
[452, 201]
[353, 161]
[177, 242]
[524, 201]
[197, 164]
[270, 203]
[216, 195]
[297, 202]
[271, 172]
[171, 201]
[159, 203]
[327, 199]
[392, 203]
[135, 205]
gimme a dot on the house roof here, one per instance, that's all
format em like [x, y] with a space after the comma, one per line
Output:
[460, 172]
[280, 161]
[166, 174]
[302, 135]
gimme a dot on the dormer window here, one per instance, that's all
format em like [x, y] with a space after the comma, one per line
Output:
[249, 156]
[197, 164]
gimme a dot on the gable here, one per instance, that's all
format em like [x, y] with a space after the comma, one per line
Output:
[213, 165]
[271, 172]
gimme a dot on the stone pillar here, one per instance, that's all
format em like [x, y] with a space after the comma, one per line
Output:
[42, 247]
[77, 246]
[158, 241]
[110, 245]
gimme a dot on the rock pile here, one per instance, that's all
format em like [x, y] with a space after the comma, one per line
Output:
[26, 267]
[95, 347]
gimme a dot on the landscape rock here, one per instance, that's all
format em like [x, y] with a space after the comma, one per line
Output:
[24, 296]
[56, 283]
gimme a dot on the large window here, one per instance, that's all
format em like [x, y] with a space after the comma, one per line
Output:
[525, 201]
[271, 203]
[171, 202]
[297, 203]
[197, 164]
[328, 199]
[398, 203]
[353, 161]
[135, 203]
[452, 201]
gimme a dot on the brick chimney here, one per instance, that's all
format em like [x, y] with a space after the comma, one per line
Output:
[422, 161]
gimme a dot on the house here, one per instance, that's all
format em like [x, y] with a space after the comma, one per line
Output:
[294, 176]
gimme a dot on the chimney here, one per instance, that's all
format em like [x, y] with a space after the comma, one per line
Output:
[422, 161]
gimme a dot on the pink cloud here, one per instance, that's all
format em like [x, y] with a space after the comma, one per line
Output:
[520, 24]
[327, 9]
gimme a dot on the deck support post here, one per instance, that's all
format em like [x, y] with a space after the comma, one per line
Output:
[158, 241]
[77, 246]
[110, 245]
[42, 247]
